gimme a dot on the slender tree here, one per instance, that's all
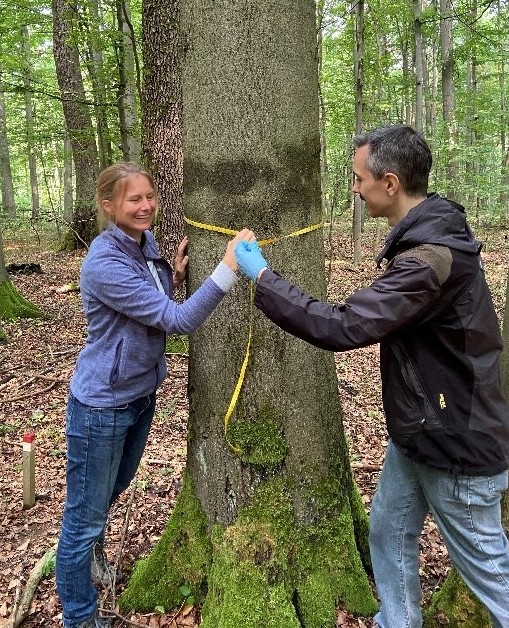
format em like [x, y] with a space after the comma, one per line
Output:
[29, 116]
[358, 10]
[129, 84]
[448, 96]
[8, 202]
[92, 22]
[269, 525]
[419, 65]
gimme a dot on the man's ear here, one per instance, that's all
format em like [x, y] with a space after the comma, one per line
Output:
[392, 183]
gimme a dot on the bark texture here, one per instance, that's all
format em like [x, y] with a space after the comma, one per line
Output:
[78, 122]
[162, 116]
[282, 531]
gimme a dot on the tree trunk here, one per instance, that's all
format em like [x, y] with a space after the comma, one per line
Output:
[8, 202]
[269, 525]
[128, 89]
[29, 117]
[12, 304]
[162, 116]
[448, 99]
[96, 72]
[79, 125]
[419, 65]
[358, 8]
[67, 180]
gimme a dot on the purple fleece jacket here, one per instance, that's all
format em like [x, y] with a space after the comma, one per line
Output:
[128, 318]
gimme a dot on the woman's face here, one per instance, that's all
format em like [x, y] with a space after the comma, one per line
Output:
[134, 209]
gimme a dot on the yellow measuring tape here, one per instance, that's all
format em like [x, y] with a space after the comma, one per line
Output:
[294, 234]
[242, 374]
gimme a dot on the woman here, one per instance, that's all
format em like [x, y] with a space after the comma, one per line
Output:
[126, 289]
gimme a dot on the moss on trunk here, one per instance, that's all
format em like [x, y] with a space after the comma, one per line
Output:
[455, 606]
[264, 571]
[13, 305]
[182, 556]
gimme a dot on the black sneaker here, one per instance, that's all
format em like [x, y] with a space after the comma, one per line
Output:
[101, 571]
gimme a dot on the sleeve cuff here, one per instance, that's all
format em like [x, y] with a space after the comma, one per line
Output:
[224, 277]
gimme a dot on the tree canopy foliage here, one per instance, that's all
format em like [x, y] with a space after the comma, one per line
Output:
[480, 56]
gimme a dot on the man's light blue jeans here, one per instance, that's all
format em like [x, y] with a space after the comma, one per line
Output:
[467, 512]
[104, 449]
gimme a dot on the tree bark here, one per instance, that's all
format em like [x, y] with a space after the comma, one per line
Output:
[448, 98]
[162, 116]
[29, 117]
[12, 304]
[128, 88]
[79, 125]
[269, 527]
[358, 9]
[8, 202]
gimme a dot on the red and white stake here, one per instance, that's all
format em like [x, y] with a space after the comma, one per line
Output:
[28, 470]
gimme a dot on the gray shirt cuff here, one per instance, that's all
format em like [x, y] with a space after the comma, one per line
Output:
[224, 277]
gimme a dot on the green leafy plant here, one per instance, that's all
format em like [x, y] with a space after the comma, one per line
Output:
[177, 344]
[187, 594]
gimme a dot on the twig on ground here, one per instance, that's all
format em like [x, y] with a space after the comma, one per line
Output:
[51, 379]
[30, 394]
[21, 610]
[366, 467]
[158, 461]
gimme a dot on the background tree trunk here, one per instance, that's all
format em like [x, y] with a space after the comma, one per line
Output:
[129, 85]
[12, 304]
[78, 123]
[29, 117]
[162, 116]
[419, 65]
[448, 96]
[269, 523]
[358, 8]
[8, 202]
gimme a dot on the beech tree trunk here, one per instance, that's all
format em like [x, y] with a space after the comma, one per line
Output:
[162, 116]
[269, 529]
[78, 122]
[8, 205]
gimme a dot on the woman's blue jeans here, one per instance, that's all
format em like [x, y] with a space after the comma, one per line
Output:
[104, 449]
[468, 514]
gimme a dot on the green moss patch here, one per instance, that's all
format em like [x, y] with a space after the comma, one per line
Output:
[455, 606]
[181, 557]
[13, 305]
[269, 571]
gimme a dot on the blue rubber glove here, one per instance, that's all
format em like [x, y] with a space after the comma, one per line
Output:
[250, 259]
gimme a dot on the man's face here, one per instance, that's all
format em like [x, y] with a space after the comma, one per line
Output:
[372, 191]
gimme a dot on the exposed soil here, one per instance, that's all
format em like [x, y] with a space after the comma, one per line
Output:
[35, 367]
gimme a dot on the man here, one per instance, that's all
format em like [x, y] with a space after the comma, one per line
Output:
[432, 313]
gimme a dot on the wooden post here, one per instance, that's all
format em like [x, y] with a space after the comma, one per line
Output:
[28, 470]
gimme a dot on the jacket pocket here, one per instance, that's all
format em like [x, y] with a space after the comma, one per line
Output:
[408, 408]
[115, 368]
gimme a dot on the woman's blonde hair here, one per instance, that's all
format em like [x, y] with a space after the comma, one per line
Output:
[111, 184]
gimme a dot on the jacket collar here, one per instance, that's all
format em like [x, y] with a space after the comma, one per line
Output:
[436, 220]
[147, 247]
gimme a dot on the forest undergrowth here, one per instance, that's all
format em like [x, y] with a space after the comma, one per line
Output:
[35, 367]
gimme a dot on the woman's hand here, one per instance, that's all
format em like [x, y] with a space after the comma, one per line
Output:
[229, 256]
[181, 261]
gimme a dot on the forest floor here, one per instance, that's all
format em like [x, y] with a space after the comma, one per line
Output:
[35, 367]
